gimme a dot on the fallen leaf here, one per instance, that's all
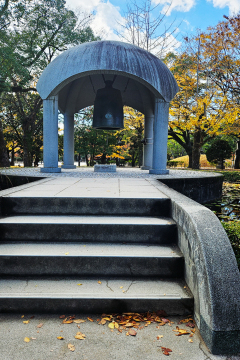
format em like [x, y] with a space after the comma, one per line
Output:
[79, 284]
[132, 332]
[166, 351]
[183, 321]
[66, 253]
[79, 321]
[62, 316]
[22, 316]
[26, 339]
[60, 338]
[193, 331]
[116, 325]
[32, 317]
[129, 324]
[90, 319]
[99, 282]
[66, 321]
[102, 322]
[111, 325]
[26, 321]
[121, 287]
[80, 336]
[127, 333]
[71, 347]
[165, 320]
[40, 325]
[190, 340]
[33, 338]
[159, 337]
[190, 324]
[120, 330]
[181, 331]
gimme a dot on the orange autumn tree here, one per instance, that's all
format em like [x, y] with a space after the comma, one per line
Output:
[221, 53]
[200, 110]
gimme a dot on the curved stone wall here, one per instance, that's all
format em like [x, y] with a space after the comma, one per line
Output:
[211, 272]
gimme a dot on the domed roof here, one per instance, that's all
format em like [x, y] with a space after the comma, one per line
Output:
[103, 56]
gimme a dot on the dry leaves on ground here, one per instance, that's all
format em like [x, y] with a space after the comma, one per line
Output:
[181, 331]
[166, 351]
[60, 338]
[79, 321]
[26, 339]
[80, 336]
[71, 347]
[40, 325]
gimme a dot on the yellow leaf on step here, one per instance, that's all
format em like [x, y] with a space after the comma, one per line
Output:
[26, 339]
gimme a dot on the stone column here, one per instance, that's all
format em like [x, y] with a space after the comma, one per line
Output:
[50, 135]
[68, 142]
[148, 145]
[160, 137]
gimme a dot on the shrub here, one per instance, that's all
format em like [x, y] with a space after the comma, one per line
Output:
[232, 229]
[218, 151]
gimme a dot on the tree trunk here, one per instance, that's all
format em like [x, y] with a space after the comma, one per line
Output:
[190, 159]
[4, 161]
[196, 150]
[79, 159]
[237, 158]
[12, 157]
[86, 158]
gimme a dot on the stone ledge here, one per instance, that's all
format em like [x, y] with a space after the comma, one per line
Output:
[105, 168]
[211, 272]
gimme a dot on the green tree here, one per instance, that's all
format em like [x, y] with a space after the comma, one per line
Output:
[32, 33]
[218, 151]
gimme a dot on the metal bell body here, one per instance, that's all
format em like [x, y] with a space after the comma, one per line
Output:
[108, 109]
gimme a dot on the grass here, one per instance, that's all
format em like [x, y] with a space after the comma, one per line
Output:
[232, 229]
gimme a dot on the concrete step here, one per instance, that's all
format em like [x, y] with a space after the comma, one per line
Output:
[111, 295]
[88, 228]
[159, 206]
[90, 259]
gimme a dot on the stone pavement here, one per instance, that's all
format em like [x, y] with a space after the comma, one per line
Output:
[122, 172]
[101, 342]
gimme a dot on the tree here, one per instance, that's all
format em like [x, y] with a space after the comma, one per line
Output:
[32, 33]
[200, 110]
[221, 53]
[144, 29]
[218, 151]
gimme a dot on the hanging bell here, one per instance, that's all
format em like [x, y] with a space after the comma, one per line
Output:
[108, 108]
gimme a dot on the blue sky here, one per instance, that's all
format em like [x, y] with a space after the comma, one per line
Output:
[192, 14]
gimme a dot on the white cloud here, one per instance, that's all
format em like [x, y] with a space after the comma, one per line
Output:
[106, 18]
[233, 5]
[178, 5]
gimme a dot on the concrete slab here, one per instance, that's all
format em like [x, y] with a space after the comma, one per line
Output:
[101, 342]
[85, 249]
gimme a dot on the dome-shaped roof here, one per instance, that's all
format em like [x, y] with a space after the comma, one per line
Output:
[92, 57]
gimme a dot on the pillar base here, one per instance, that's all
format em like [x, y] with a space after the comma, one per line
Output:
[50, 170]
[145, 167]
[159, 171]
[68, 166]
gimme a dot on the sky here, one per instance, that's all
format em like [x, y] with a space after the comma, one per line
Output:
[189, 16]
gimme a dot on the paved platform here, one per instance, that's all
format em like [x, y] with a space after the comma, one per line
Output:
[86, 187]
[100, 343]
[122, 172]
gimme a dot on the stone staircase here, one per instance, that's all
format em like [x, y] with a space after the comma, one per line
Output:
[79, 254]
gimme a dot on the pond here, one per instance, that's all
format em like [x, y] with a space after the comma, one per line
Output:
[228, 207]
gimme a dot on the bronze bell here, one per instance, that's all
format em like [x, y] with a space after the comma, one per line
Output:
[108, 108]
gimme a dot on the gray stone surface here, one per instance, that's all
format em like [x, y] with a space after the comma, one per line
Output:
[100, 343]
[104, 57]
[87, 228]
[91, 260]
[105, 168]
[211, 272]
